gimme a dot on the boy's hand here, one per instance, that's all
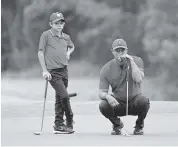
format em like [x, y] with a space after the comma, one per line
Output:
[68, 55]
[47, 75]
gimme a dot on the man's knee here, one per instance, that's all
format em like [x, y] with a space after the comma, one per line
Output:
[105, 108]
[143, 102]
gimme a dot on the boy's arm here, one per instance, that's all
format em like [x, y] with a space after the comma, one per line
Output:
[41, 52]
[70, 45]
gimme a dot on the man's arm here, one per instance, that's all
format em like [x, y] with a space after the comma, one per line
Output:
[137, 69]
[103, 90]
[103, 85]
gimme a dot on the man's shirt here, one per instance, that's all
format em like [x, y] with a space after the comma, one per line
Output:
[114, 74]
[55, 49]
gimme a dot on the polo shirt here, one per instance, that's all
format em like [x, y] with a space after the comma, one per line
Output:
[114, 74]
[55, 49]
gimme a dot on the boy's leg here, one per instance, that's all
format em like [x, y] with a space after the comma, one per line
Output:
[61, 92]
[69, 113]
[59, 111]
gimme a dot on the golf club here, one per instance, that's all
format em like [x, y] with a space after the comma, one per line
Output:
[46, 87]
[127, 80]
[124, 132]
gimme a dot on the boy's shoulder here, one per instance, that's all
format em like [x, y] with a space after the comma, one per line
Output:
[66, 35]
[45, 33]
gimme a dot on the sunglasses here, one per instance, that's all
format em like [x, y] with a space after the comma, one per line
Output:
[59, 22]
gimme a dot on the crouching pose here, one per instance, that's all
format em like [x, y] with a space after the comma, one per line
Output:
[115, 74]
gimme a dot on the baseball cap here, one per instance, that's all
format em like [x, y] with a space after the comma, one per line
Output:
[56, 16]
[119, 43]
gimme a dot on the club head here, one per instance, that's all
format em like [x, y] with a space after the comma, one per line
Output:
[125, 133]
[37, 133]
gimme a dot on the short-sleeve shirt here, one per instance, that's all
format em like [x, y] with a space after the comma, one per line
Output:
[114, 74]
[55, 49]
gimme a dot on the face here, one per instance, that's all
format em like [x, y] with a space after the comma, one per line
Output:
[57, 25]
[119, 52]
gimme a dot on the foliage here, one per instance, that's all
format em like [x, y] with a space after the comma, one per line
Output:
[150, 27]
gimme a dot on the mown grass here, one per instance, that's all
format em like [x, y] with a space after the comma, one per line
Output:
[86, 88]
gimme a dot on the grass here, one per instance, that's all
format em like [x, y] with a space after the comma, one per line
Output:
[86, 88]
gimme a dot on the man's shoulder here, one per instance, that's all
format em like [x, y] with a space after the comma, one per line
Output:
[107, 66]
[136, 58]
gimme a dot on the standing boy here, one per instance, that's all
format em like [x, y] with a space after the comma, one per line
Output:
[54, 52]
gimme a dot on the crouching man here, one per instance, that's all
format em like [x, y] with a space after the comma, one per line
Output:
[113, 74]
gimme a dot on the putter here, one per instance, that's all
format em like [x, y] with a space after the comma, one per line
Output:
[46, 87]
[124, 132]
[127, 101]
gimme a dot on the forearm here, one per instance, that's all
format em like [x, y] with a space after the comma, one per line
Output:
[42, 60]
[104, 95]
[137, 74]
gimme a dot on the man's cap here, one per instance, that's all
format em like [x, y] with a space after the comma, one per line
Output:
[119, 43]
[56, 15]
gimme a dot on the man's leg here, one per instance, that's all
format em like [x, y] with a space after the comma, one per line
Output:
[139, 106]
[112, 114]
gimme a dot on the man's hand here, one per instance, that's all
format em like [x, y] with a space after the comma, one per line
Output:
[47, 75]
[129, 57]
[112, 101]
[68, 55]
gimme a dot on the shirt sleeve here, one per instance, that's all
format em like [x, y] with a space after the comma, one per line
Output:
[69, 42]
[139, 63]
[43, 42]
[103, 84]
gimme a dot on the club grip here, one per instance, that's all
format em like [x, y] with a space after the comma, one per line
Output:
[72, 94]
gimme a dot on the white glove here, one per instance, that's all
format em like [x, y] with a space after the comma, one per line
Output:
[47, 75]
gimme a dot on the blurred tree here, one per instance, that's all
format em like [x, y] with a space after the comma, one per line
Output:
[160, 42]
[132, 6]
[12, 36]
[150, 28]
[90, 30]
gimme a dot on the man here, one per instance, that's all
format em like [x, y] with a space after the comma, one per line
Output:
[54, 52]
[114, 74]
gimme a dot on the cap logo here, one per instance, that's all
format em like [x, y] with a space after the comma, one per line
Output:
[58, 15]
[119, 42]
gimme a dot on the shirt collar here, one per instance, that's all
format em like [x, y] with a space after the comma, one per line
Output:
[54, 33]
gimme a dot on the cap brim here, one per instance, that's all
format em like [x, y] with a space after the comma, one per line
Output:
[57, 19]
[120, 47]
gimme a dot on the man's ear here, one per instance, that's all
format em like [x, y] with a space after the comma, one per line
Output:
[126, 51]
[50, 24]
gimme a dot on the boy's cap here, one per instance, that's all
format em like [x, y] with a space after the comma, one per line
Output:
[119, 43]
[56, 16]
